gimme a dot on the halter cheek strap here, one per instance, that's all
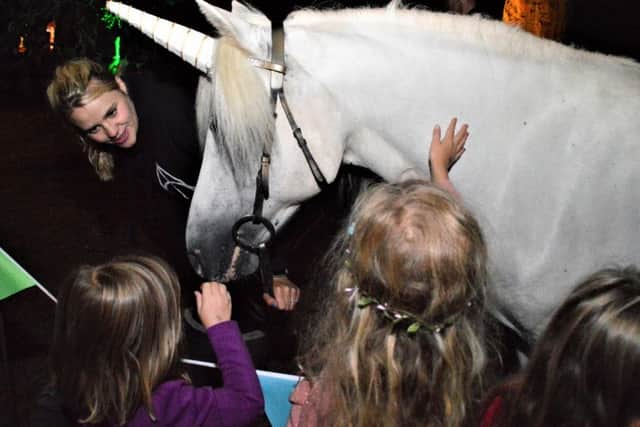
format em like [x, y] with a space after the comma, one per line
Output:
[278, 70]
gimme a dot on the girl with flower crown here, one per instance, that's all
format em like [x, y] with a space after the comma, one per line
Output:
[400, 340]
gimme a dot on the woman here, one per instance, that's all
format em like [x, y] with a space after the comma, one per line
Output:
[141, 130]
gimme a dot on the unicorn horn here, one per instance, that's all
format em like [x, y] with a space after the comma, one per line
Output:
[191, 45]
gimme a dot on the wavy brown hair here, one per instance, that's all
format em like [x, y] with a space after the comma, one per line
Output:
[116, 337]
[70, 89]
[585, 368]
[414, 247]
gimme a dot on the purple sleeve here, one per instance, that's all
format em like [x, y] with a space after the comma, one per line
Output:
[240, 399]
[237, 403]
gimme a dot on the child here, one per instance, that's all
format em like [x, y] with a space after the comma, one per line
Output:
[400, 341]
[585, 369]
[116, 358]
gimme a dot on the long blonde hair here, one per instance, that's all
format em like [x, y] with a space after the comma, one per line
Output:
[116, 337]
[415, 250]
[70, 89]
[237, 100]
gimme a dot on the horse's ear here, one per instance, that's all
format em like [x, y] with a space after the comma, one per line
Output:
[235, 25]
[395, 5]
[248, 13]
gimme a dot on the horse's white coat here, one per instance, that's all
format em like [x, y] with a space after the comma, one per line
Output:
[551, 164]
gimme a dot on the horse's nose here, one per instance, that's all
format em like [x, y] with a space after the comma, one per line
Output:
[194, 259]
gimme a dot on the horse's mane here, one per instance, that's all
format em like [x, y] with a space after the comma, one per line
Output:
[242, 112]
[490, 35]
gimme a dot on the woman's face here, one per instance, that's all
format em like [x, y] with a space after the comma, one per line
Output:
[108, 119]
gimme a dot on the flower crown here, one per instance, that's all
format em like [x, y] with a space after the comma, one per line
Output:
[397, 316]
[394, 315]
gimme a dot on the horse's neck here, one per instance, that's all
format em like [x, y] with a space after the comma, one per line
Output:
[392, 79]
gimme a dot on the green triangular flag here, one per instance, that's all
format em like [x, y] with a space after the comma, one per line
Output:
[13, 278]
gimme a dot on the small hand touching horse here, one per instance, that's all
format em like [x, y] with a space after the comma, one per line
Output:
[444, 153]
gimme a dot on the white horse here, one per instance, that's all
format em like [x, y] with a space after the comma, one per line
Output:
[551, 166]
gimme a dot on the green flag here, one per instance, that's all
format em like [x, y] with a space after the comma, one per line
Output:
[13, 278]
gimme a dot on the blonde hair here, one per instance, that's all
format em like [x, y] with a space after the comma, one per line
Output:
[238, 102]
[414, 247]
[116, 337]
[70, 89]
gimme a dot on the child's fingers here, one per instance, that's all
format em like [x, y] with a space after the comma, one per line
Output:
[462, 133]
[460, 143]
[213, 291]
[458, 155]
[214, 303]
[435, 139]
[451, 129]
[213, 288]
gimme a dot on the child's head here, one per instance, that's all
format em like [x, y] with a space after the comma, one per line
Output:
[411, 253]
[414, 247]
[117, 334]
[585, 370]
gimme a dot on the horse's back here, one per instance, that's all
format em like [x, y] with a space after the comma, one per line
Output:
[551, 167]
[558, 191]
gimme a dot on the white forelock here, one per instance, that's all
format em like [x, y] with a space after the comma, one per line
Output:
[241, 108]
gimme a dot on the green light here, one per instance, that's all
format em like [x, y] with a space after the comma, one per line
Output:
[110, 20]
[115, 64]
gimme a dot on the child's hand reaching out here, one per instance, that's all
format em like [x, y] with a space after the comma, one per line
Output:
[444, 153]
[214, 303]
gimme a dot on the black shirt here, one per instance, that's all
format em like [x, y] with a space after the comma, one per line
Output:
[158, 174]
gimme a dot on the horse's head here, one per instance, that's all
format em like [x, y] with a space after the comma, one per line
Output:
[235, 123]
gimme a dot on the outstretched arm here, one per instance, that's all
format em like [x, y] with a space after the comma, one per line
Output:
[445, 152]
[240, 400]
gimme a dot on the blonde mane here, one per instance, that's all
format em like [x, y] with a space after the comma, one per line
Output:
[242, 111]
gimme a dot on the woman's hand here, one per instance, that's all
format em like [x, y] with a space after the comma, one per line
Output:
[286, 294]
[214, 304]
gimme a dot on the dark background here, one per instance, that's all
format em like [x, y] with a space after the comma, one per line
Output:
[55, 212]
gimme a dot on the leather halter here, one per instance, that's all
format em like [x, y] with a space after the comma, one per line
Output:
[278, 70]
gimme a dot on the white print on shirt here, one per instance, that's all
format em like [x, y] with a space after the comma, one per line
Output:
[170, 182]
